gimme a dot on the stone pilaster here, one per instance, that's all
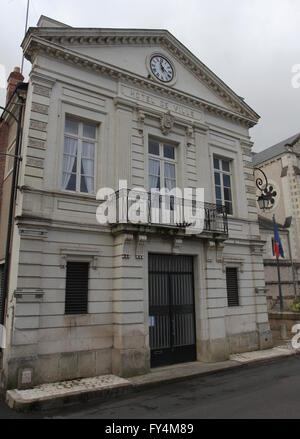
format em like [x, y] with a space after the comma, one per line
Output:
[130, 354]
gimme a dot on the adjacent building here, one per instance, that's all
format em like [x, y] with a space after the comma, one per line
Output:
[85, 299]
[281, 165]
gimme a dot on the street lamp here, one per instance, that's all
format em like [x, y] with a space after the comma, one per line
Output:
[266, 199]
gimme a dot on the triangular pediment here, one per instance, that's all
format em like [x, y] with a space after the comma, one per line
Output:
[129, 50]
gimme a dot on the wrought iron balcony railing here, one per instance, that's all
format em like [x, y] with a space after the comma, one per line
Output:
[135, 207]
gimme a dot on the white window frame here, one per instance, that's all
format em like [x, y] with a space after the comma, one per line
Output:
[80, 138]
[221, 172]
[162, 160]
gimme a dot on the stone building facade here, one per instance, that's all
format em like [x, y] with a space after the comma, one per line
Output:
[87, 299]
[288, 268]
[281, 165]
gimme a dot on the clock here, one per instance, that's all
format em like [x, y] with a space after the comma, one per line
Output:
[161, 68]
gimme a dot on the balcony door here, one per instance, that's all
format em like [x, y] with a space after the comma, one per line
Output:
[161, 174]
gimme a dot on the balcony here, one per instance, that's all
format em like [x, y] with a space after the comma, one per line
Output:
[150, 212]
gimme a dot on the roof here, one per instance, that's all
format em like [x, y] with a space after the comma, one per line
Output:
[274, 150]
[265, 223]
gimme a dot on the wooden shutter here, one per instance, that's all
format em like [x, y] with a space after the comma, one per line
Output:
[232, 286]
[77, 288]
[2, 304]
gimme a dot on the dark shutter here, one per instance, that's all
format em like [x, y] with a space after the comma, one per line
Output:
[2, 304]
[77, 288]
[232, 286]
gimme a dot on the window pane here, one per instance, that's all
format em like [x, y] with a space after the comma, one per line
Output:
[225, 165]
[216, 163]
[70, 146]
[87, 167]
[154, 167]
[87, 184]
[89, 131]
[88, 150]
[217, 179]
[154, 182]
[169, 152]
[71, 126]
[226, 180]
[170, 171]
[227, 194]
[170, 184]
[69, 181]
[218, 193]
[153, 147]
[69, 166]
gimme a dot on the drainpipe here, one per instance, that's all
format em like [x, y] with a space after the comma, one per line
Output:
[293, 266]
[13, 194]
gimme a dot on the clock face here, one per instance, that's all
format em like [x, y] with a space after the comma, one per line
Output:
[161, 68]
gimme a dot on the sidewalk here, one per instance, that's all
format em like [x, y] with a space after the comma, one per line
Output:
[55, 395]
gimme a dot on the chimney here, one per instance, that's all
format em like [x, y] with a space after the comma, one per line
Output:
[14, 78]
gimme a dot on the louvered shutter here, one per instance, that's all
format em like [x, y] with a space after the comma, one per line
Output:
[2, 304]
[77, 288]
[232, 286]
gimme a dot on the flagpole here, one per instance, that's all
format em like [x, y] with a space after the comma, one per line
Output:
[278, 272]
[26, 26]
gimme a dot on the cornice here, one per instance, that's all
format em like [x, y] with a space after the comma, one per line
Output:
[117, 37]
[34, 45]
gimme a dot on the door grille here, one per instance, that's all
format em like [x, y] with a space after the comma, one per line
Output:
[171, 309]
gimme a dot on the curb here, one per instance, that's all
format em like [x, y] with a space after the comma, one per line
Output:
[250, 363]
[17, 403]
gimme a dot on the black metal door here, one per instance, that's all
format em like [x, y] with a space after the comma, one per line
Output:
[171, 310]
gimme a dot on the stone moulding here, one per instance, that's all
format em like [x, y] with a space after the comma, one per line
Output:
[34, 45]
[78, 254]
[97, 37]
[140, 246]
[232, 262]
[261, 291]
[126, 243]
[34, 295]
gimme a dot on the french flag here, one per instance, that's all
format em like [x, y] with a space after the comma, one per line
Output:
[277, 243]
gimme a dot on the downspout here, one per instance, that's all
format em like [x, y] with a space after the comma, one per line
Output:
[13, 193]
[293, 266]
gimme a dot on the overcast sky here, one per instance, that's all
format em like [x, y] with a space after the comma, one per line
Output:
[252, 45]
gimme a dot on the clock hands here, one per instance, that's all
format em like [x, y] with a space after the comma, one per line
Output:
[161, 69]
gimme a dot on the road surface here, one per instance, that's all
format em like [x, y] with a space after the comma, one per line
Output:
[260, 391]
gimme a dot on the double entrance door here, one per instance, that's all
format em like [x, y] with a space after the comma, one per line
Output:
[171, 310]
